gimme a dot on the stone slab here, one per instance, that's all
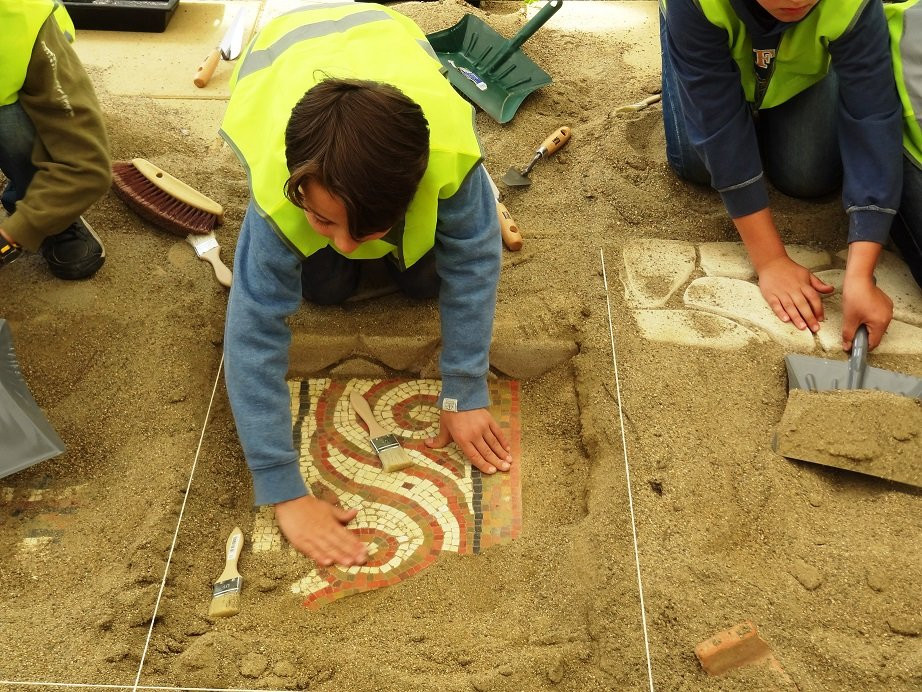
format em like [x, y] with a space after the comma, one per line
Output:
[163, 65]
[526, 361]
[400, 352]
[655, 269]
[732, 261]
[313, 353]
[741, 301]
[693, 328]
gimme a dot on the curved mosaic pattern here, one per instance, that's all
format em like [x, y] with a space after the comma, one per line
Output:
[440, 503]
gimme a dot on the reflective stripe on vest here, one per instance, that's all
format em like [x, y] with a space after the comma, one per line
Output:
[802, 58]
[905, 20]
[20, 22]
[350, 40]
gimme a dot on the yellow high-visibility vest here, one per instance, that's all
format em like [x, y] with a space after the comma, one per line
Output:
[20, 22]
[353, 40]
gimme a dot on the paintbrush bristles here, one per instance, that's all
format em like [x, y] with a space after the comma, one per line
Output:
[393, 457]
[225, 605]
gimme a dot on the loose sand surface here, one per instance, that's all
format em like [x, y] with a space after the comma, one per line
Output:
[824, 562]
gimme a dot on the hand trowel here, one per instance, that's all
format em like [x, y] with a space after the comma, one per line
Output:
[553, 142]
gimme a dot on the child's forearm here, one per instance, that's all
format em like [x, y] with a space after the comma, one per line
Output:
[862, 259]
[761, 238]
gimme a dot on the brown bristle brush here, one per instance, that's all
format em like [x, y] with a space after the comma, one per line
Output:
[164, 200]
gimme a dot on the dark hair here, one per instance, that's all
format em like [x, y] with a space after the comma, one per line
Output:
[365, 142]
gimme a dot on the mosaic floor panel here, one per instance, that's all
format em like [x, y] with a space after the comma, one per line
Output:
[440, 503]
[39, 515]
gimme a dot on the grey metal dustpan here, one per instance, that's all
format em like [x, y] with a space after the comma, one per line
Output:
[864, 443]
[26, 436]
[820, 374]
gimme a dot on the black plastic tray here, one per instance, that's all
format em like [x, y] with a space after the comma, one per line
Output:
[121, 15]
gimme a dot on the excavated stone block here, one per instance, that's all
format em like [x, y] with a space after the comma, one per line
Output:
[313, 353]
[655, 269]
[400, 352]
[358, 367]
[693, 328]
[900, 339]
[730, 260]
[741, 301]
[524, 362]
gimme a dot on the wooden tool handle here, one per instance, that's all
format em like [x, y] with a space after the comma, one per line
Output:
[555, 141]
[361, 407]
[232, 553]
[221, 272]
[207, 68]
[512, 238]
[177, 188]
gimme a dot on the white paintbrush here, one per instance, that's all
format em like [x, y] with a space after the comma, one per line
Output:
[207, 248]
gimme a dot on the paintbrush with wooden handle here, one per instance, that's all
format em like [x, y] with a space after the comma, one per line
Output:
[393, 457]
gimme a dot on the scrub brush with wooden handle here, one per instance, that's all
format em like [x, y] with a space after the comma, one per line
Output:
[225, 596]
[164, 200]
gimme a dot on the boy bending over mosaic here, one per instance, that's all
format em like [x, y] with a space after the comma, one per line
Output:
[356, 148]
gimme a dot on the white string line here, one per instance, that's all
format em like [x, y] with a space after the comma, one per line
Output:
[182, 509]
[627, 473]
[87, 685]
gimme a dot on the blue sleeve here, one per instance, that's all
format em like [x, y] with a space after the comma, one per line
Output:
[468, 251]
[718, 117]
[265, 291]
[870, 126]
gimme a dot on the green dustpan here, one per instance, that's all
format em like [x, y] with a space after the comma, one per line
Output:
[489, 70]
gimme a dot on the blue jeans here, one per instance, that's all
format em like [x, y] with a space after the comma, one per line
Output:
[797, 139]
[907, 226]
[328, 278]
[17, 137]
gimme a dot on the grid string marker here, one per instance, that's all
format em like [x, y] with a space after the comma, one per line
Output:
[627, 473]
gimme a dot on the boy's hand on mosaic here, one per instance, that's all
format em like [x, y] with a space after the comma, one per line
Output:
[864, 303]
[478, 435]
[317, 529]
[793, 292]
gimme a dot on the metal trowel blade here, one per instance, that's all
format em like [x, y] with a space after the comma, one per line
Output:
[513, 178]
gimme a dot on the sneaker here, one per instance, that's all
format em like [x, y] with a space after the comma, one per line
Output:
[74, 253]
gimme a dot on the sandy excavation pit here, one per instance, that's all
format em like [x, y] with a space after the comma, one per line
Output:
[824, 562]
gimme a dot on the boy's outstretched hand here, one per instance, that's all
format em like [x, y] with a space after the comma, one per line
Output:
[318, 529]
[864, 303]
[793, 292]
[479, 437]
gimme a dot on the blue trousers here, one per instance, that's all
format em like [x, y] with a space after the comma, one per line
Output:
[797, 140]
[907, 226]
[17, 137]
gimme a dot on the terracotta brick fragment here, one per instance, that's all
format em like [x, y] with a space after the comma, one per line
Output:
[733, 648]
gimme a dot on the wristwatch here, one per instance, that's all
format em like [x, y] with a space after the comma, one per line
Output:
[9, 251]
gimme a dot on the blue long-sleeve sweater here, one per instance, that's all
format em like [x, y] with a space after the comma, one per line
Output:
[721, 128]
[267, 289]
